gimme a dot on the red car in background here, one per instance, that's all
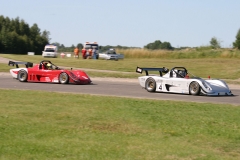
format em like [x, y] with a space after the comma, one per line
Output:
[46, 71]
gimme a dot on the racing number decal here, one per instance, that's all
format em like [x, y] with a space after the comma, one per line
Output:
[160, 87]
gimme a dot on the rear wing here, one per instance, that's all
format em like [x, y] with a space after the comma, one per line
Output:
[27, 64]
[161, 70]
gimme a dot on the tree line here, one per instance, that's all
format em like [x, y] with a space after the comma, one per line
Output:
[17, 37]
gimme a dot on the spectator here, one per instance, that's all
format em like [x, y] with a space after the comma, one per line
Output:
[76, 52]
[84, 51]
[94, 53]
[90, 53]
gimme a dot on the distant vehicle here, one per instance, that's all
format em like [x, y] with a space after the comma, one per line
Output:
[46, 71]
[50, 50]
[92, 45]
[111, 55]
[179, 80]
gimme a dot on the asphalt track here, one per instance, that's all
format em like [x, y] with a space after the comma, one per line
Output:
[116, 87]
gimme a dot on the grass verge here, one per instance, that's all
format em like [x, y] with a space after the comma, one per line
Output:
[49, 125]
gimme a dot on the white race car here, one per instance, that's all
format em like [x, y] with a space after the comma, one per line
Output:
[179, 80]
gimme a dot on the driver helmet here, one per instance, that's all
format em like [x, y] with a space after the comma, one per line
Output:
[182, 73]
[49, 66]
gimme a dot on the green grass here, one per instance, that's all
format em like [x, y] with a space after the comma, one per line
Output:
[221, 68]
[48, 125]
[5, 67]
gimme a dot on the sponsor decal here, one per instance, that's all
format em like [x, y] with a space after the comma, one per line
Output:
[47, 79]
[84, 77]
[16, 72]
[55, 80]
[139, 70]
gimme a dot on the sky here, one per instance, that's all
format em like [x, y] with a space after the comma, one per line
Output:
[132, 23]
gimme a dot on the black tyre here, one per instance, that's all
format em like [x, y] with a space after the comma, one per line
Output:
[22, 76]
[63, 78]
[150, 85]
[194, 88]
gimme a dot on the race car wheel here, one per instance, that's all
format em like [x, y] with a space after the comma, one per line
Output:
[22, 76]
[150, 85]
[194, 88]
[63, 78]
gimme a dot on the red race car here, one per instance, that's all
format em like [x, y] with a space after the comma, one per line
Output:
[46, 71]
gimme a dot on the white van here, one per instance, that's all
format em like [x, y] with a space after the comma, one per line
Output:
[50, 50]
